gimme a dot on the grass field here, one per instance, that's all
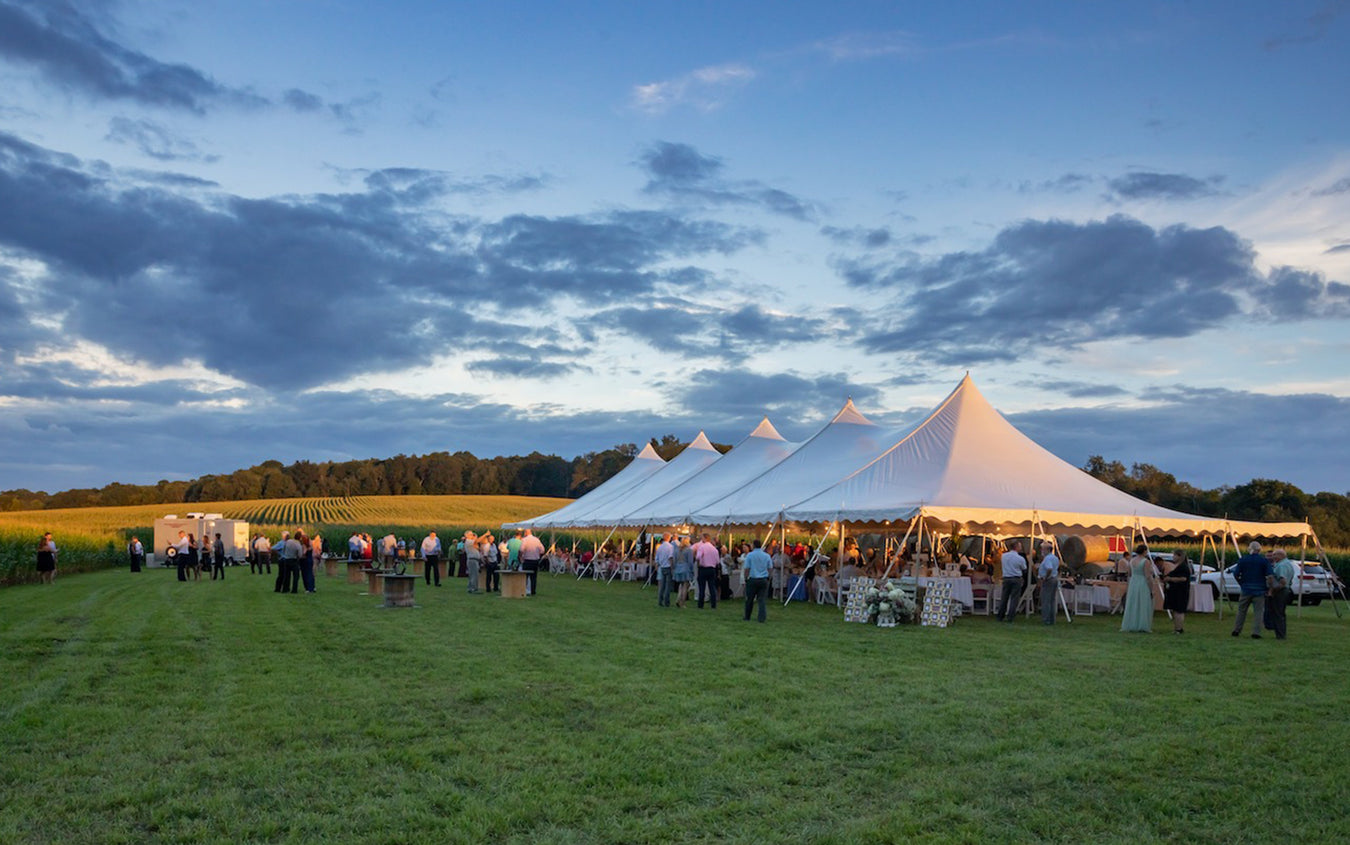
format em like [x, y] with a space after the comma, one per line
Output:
[139, 709]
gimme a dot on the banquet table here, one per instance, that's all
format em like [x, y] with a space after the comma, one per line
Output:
[961, 590]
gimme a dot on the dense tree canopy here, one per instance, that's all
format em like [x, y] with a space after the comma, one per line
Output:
[1260, 499]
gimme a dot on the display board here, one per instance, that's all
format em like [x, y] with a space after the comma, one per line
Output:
[855, 610]
[937, 605]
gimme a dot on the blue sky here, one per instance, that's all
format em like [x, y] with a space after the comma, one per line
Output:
[237, 231]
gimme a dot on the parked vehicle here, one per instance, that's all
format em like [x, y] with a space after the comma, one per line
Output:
[1312, 582]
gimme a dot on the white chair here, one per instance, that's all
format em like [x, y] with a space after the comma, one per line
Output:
[841, 594]
[1082, 600]
[826, 591]
[982, 598]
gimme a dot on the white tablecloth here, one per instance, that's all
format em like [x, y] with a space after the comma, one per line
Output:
[961, 591]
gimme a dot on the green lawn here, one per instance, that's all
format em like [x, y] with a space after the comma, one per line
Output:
[134, 708]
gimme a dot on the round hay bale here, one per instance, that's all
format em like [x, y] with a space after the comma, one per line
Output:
[1076, 550]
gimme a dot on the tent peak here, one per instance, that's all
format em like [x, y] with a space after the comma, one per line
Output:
[702, 442]
[850, 414]
[766, 430]
[648, 453]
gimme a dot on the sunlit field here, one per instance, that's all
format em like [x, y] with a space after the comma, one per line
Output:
[140, 709]
[94, 538]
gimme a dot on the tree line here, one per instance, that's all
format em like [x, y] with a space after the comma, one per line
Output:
[536, 474]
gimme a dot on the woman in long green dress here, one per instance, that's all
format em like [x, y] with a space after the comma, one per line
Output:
[1139, 596]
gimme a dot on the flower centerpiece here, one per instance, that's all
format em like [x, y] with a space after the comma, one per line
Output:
[889, 604]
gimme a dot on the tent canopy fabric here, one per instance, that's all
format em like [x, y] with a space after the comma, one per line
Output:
[758, 451]
[964, 464]
[847, 442]
[696, 457]
[637, 471]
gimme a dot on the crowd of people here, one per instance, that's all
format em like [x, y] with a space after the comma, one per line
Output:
[680, 565]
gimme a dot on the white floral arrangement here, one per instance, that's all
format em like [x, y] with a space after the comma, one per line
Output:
[889, 601]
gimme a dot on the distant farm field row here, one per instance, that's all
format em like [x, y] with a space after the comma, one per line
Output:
[94, 538]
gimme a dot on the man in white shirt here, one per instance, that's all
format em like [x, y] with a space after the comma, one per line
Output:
[665, 559]
[431, 555]
[531, 552]
[181, 547]
[1048, 573]
[262, 555]
[388, 546]
[1014, 577]
[354, 546]
[137, 554]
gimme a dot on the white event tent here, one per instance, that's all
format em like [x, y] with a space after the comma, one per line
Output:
[968, 465]
[964, 465]
[758, 451]
[847, 441]
[696, 457]
[638, 470]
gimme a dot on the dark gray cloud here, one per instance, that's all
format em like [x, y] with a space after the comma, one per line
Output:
[1047, 285]
[417, 186]
[682, 172]
[867, 238]
[527, 368]
[155, 140]
[788, 398]
[1340, 186]
[1314, 28]
[1262, 435]
[251, 287]
[729, 333]
[1338, 248]
[301, 101]
[1076, 389]
[67, 47]
[1164, 186]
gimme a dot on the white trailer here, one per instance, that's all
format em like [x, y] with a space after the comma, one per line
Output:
[203, 526]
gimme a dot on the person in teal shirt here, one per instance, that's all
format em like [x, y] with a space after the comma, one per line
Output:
[513, 552]
[1282, 583]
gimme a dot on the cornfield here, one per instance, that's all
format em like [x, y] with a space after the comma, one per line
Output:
[95, 538]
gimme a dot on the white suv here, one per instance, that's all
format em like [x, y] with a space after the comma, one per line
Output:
[1312, 582]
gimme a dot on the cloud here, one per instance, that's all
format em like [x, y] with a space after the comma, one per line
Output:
[723, 395]
[680, 171]
[1076, 389]
[724, 331]
[1069, 183]
[1337, 249]
[858, 46]
[301, 101]
[164, 276]
[1318, 24]
[705, 89]
[69, 50]
[155, 140]
[1179, 429]
[1164, 186]
[1340, 186]
[1047, 285]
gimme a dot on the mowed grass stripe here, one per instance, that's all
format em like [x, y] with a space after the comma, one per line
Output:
[141, 709]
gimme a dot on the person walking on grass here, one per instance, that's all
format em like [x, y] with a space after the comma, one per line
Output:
[46, 558]
[708, 559]
[531, 555]
[218, 558]
[1282, 580]
[136, 552]
[1014, 576]
[473, 559]
[1048, 573]
[756, 566]
[1254, 574]
[665, 561]
[1177, 590]
[262, 555]
[431, 558]
[682, 571]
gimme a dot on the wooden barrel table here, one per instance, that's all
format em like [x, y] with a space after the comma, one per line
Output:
[398, 589]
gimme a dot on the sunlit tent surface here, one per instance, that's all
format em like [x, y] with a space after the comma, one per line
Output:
[847, 442]
[637, 471]
[697, 456]
[758, 451]
[966, 464]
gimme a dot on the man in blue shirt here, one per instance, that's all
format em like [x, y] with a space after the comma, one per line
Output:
[665, 559]
[1253, 573]
[756, 565]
